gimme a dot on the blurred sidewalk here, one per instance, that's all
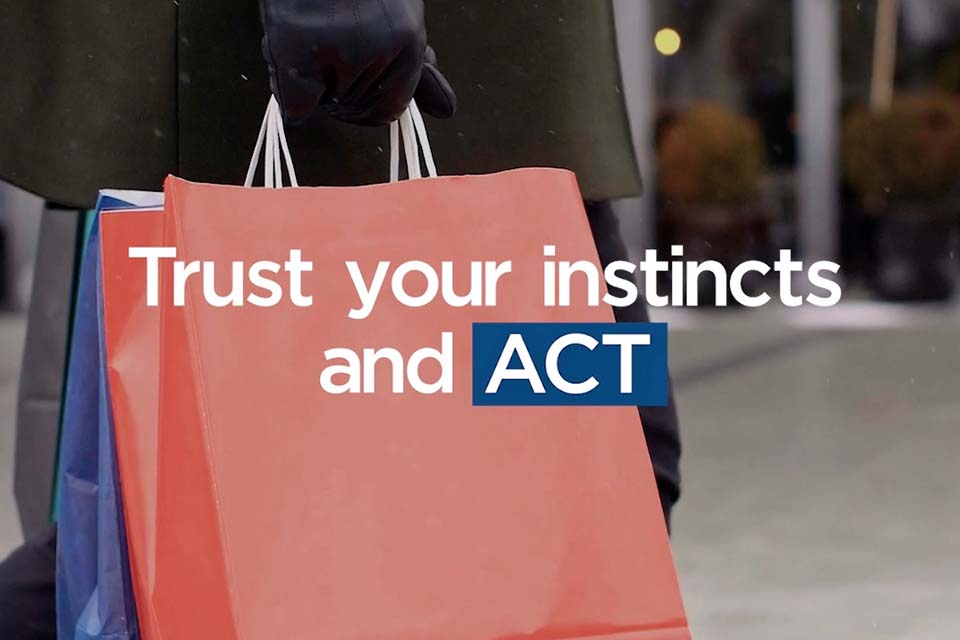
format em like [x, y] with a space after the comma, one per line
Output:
[12, 329]
[820, 473]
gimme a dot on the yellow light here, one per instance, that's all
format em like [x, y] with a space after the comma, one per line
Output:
[667, 41]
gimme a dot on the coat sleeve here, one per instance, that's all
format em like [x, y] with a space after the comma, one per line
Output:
[660, 425]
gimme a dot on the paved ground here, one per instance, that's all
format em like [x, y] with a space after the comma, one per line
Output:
[11, 345]
[821, 481]
[822, 484]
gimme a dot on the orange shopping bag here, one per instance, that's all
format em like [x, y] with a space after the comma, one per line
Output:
[284, 511]
[132, 331]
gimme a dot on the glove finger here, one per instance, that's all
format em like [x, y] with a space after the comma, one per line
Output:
[430, 56]
[434, 94]
[386, 97]
[298, 97]
[377, 109]
[362, 85]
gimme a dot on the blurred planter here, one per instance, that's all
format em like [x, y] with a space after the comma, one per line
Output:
[710, 161]
[727, 234]
[905, 163]
[916, 256]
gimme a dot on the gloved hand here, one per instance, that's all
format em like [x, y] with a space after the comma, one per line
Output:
[360, 61]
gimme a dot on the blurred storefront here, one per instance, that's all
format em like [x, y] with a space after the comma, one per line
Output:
[801, 75]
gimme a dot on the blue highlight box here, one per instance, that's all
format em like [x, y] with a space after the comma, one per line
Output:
[570, 364]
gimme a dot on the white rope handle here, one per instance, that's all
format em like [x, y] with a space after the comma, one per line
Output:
[410, 132]
[411, 150]
[421, 128]
[272, 144]
[413, 131]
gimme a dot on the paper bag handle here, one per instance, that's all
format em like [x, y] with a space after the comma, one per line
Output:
[272, 145]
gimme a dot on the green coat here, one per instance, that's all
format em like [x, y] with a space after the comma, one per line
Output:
[119, 93]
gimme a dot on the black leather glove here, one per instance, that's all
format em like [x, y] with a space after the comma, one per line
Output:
[360, 61]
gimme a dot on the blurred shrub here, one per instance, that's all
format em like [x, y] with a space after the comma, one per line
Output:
[947, 74]
[710, 155]
[910, 152]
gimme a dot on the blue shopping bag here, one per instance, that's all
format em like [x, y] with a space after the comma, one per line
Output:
[94, 591]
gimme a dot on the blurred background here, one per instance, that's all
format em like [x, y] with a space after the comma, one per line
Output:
[821, 489]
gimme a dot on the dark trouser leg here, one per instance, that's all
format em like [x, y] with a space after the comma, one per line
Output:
[660, 425]
[44, 367]
[27, 591]
[28, 575]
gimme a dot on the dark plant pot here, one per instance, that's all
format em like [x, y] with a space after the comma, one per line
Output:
[728, 234]
[916, 253]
